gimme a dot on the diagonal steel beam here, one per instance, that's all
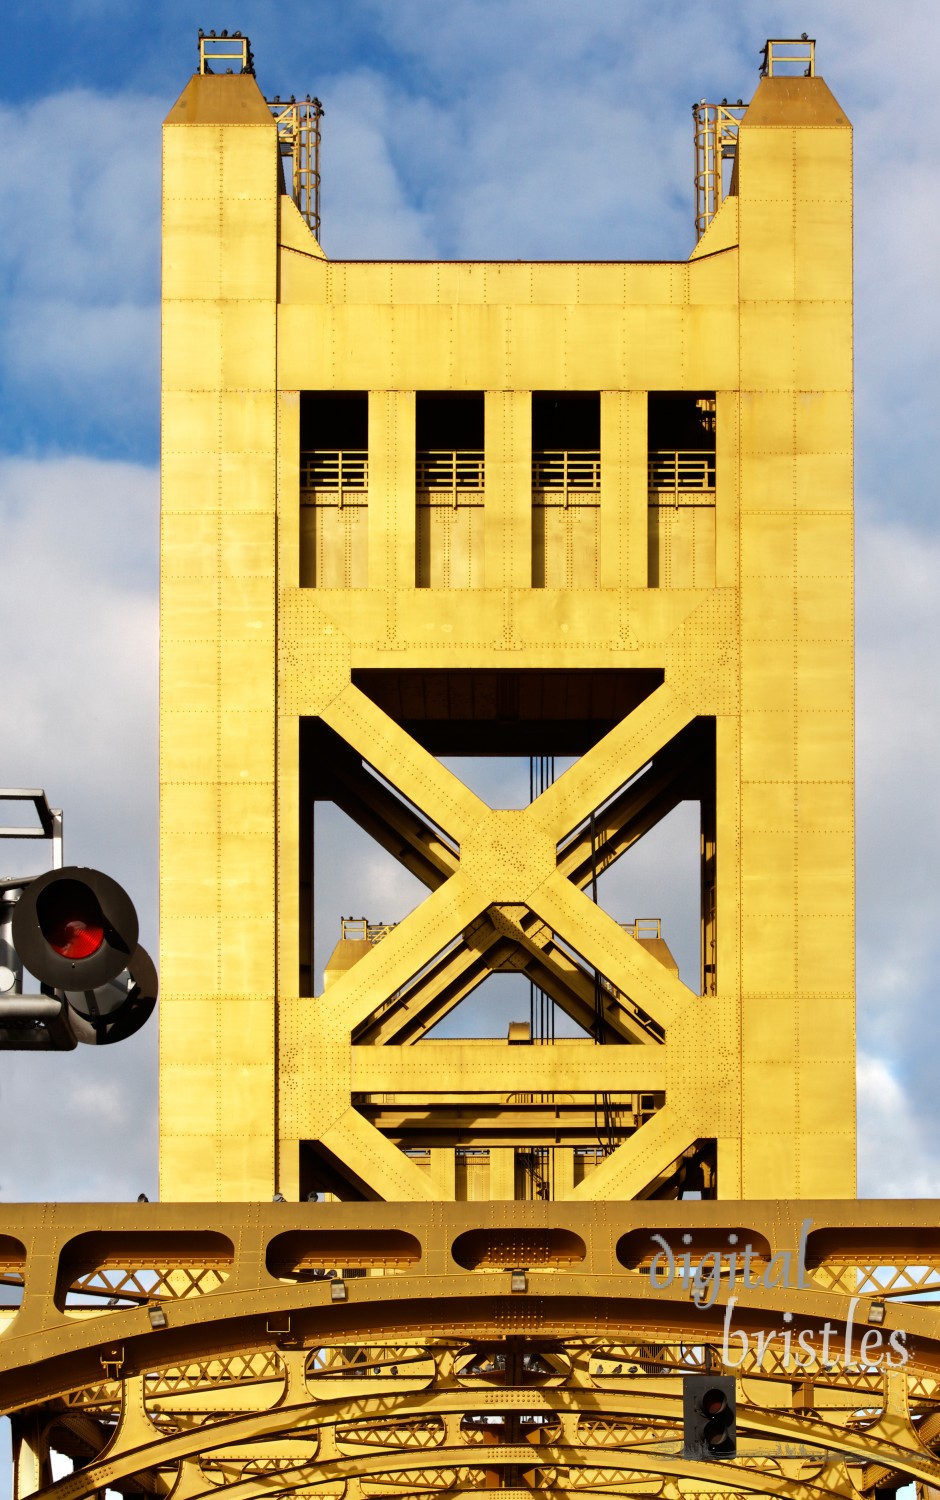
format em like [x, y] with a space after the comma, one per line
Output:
[608, 765]
[673, 776]
[404, 763]
[604, 944]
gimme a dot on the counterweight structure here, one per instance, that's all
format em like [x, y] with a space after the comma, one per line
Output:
[599, 512]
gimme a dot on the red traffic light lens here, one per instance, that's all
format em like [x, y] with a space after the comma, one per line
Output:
[75, 938]
[70, 919]
[712, 1402]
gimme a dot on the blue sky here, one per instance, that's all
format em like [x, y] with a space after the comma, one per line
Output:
[465, 128]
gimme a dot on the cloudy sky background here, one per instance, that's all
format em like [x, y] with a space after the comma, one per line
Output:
[466, 128]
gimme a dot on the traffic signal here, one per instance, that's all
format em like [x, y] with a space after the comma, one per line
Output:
[119, 1008]
[76, 930]
[708, 1416]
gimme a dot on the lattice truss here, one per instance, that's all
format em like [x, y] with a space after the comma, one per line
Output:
[452, 1418]
[256, 1379]
[510, 890]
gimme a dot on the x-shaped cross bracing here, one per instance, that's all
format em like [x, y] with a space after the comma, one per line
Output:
[506, 883]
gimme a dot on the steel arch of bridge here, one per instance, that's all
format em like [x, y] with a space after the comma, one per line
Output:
[263, 1379]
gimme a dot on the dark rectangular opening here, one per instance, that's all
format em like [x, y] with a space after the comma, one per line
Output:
[449, 491]
[334, 489]
[334, 420]
[682, 420]
[681, 490]
[566, 489]
[444, 420]
[566, 420]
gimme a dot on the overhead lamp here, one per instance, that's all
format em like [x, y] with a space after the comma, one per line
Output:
[338, 1290]
[876, 1313]
[518, 1281]
[157, 1316]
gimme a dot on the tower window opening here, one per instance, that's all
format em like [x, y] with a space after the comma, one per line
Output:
[449, 491]
[566, 490]
[681, 490]
[334, 490]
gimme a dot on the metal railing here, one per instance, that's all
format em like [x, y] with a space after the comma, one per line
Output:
[361, 930]
[644, 927]
[789, 57]
[458, 471]
[716, 141]
[222, 49]
[297, 120]
[298, 137]
[334, 470]
[563, 470]
[686, 476]
[716, 125]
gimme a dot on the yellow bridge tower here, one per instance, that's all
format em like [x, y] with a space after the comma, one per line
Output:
[593, 513]
[600, 510]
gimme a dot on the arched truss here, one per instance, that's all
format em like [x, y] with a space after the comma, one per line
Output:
[191, 1350]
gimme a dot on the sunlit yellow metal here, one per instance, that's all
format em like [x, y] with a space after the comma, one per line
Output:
[716, 140]
[728, 574]
[216, 51]
[298, 129]
[676, 614]
[784, 56]
[552, 1360]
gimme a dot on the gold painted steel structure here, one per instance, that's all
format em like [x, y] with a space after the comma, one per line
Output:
[341, 610]
[271, 1351]
[411, 510]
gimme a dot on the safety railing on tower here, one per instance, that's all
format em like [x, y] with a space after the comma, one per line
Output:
[565, 472]
[217, 51]
[334, 499]
[644, 927]
[789, 57]
[457, 471]
[298, 135]
[335, 472]
[361, 930]
[716, 142]
[681, 478]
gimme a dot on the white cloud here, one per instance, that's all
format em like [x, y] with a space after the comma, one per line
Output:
[80, 652]
[79, 200]
[898, 729]
[80, 1126]
[108, 1102]
[79, 193]
[79, 668]
[896, 1158]
[366, 211]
